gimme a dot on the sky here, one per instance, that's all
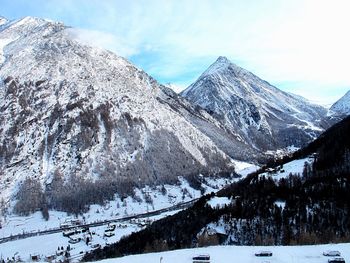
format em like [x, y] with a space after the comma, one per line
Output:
[300, 46]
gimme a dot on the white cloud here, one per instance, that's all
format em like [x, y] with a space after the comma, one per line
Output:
[102, 40]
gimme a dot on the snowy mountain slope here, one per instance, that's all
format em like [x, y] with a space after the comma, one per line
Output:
[71, 110]
[342, 106]
[227, 140]
[263, 116]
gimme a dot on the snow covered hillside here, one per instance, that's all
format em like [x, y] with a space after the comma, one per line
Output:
[224, 254]
[81, 118]
[262, 115]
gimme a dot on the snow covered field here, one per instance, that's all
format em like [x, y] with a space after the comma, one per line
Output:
[48, 245]
[242, 254]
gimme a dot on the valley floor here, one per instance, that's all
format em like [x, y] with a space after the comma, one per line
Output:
[130, 207]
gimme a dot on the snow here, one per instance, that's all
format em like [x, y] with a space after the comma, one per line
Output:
[281, 204]
[214, 228]
[294, 167]
[25, 247]
[224, 254]
[218, 202]
[3, 43]
[284, 151]
[221, 63]
[244, 168]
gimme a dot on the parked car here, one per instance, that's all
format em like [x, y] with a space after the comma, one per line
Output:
[263, 254]
[336, 260]
[95, 246]
[201, 259]
[68, 233]
[109, 234]
[111, 227]
[331, 253]
[74, 240]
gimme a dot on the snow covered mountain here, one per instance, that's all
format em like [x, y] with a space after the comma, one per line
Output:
[70, 110]
[342, 106]
[262, 115]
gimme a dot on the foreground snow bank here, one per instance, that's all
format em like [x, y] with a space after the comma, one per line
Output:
[224, 254]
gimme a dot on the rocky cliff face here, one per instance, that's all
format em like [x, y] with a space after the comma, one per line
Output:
[262, 115]
[70, 110]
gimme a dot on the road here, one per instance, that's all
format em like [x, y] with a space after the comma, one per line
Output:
[100, 223]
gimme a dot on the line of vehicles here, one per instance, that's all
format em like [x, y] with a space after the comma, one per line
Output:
[335, 256]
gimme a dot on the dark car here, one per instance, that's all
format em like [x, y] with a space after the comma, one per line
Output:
[201, 259]
[264, 254]
[336, 260]
[332, 253]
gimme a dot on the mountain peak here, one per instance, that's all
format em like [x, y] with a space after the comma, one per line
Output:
[221, 64]
[3, 20]
[31, 20]
[223, 59]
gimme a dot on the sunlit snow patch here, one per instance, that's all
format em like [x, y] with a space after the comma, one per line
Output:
[218, 202]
